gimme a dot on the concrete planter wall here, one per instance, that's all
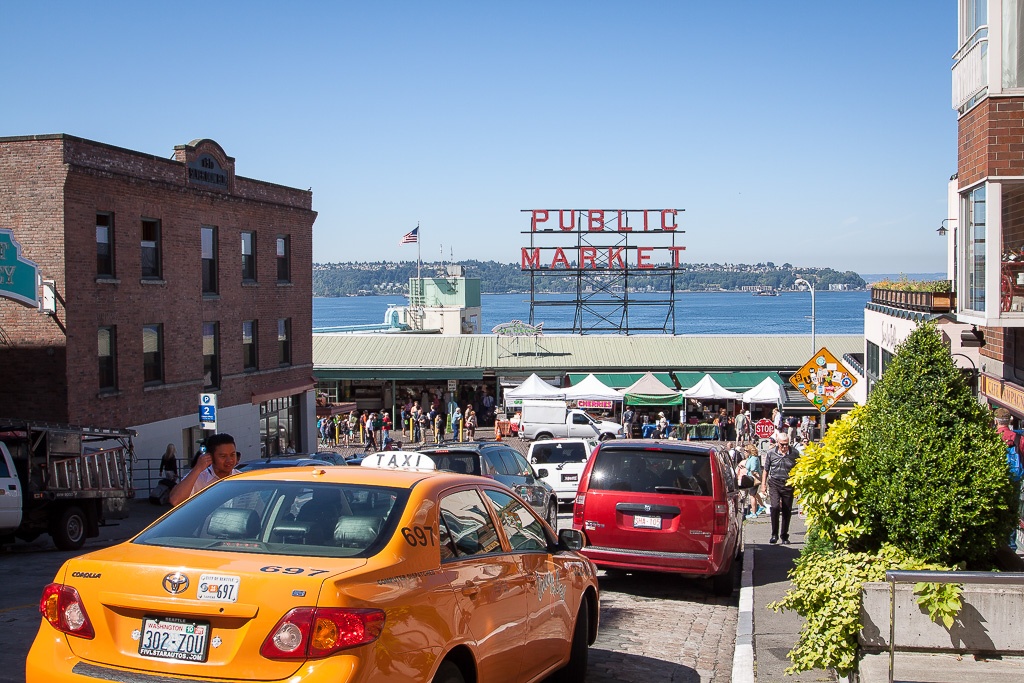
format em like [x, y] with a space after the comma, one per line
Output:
[988, 623]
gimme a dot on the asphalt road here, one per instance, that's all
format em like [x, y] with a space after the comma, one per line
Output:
[653, 627]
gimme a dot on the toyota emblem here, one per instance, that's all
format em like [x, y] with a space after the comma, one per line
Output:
[175, 583]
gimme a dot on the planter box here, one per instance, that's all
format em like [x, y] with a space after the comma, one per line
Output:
[929, 302]
[988, 622]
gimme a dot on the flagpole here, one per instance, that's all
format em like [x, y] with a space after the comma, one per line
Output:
[419, 243]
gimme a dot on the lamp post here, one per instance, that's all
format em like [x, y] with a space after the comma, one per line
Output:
[943, 230]
[801, 281]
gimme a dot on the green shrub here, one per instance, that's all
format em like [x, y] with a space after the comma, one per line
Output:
[826, 482]
[826, 592]
[933, 473]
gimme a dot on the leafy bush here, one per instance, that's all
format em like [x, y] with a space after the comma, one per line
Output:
[826, 592]
[933, 473]
[826, 482]
[903, 284]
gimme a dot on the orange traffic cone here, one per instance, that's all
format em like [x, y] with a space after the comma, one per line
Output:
[497, 433]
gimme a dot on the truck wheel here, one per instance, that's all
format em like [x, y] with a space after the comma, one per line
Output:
[543, 436]
[69, 530]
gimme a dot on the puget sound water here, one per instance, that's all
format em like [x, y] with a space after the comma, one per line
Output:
[696, 312]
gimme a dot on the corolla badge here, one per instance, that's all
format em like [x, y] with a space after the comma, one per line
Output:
[175, 583]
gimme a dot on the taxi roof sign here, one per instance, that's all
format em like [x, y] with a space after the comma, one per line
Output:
[399, 460]
[823, 380]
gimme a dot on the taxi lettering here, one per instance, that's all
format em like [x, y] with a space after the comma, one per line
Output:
[416, 536]
[548, 582]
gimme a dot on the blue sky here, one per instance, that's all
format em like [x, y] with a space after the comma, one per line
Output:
[819, 134]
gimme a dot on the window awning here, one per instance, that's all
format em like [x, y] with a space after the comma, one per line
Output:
[289, 389]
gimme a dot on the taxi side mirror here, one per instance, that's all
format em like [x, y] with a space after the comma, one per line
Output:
[542, 474]
[570, 539]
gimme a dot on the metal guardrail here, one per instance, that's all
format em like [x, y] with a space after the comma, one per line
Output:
[904, 576]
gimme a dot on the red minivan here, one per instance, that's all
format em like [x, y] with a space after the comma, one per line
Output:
[663, 506]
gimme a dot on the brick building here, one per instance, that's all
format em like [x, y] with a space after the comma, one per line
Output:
[170, 278]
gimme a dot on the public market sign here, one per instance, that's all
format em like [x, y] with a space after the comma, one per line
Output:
[605, 239]
[823, 380]
[19, 277]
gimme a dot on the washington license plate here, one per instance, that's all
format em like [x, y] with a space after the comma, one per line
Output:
[170, 638]
[643, 522]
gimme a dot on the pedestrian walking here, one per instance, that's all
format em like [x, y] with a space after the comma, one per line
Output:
[751, 466]
[741, 427]
[778, 463]
[470, 424]
[628, 417]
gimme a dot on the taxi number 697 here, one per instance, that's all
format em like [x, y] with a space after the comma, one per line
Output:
[275, 569]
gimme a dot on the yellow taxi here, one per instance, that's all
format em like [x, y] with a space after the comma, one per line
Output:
[328, 574]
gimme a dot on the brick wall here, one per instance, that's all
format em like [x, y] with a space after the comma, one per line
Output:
[991, 140]
[93, 177]
[995, 344]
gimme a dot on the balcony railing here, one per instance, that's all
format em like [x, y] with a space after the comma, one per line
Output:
[929, 302]
[970, 71]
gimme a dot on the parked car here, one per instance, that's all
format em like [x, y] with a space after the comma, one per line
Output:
[502, 463]
[327, 574]
[286, 461]
[564, 460]
[664, 506]
[543, 419]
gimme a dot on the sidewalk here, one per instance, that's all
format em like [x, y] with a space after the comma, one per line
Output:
[774, 634]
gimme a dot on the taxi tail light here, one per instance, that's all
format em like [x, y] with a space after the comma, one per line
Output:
[311, 632]
[62, 607]
[577, 508]
[721, 519]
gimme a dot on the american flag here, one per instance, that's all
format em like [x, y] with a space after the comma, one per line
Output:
[411, 237]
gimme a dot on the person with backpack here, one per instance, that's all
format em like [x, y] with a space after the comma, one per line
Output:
[1014, 445]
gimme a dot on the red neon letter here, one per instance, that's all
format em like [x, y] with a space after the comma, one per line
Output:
[615, 256]
[675, 255]
[596, 219]
[643, 257]
[588, 257]
[624, 222]
[530, 259]
[561, 221]
[665, 214]
[559, 258]
[539, 216]
[645, 220]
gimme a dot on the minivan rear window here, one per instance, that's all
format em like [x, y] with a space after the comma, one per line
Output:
[557, 453]
[644, 471]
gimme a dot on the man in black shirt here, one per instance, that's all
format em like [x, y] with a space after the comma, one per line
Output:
[777, 465]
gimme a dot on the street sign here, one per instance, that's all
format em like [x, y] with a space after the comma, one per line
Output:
[453, 384]
[764, 428]
[823, 380]
[208, 411]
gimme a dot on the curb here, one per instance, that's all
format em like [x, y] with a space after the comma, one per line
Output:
[743, 654]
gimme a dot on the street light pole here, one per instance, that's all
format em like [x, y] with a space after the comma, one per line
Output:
[801, 281]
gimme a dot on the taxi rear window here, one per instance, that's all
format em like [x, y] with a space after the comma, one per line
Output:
[283, 518]
[652, 471]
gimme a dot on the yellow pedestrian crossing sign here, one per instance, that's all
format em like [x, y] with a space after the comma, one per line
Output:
[823, 380]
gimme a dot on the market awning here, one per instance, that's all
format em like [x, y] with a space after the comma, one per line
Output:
[621, 380]
[738, 381]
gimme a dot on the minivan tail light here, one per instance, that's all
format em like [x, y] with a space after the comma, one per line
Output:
[577, 508]
[62, 606]
[312, 633]
[721, 519]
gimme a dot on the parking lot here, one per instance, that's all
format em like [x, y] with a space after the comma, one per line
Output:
[653, 627]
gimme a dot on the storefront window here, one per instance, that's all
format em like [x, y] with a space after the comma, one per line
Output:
[1011, 275]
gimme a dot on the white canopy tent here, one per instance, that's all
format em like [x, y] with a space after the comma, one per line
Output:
[535, 388]
[768, 391]
[592, 389]
[708, 389]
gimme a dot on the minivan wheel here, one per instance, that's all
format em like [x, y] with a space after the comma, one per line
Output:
[724, 584]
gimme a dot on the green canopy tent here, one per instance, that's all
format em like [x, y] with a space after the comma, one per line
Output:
[648, 391]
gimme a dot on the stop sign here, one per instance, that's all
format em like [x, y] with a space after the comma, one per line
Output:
[764, 428]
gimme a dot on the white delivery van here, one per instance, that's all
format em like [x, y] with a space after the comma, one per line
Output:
[552, 419]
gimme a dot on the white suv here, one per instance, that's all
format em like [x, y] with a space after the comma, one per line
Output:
[564, 460]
